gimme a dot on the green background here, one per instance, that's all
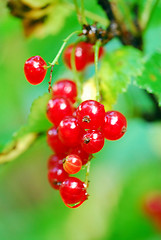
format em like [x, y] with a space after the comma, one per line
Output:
[122, 174]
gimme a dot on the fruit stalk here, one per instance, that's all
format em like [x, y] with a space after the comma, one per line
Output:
[97, 83]
[55, 61]
[84, 21]
[87, 173]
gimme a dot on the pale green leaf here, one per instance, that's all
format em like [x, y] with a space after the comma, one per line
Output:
[117, 69]
[150, 79]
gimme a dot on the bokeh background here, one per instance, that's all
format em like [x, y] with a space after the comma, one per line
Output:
[122, 175]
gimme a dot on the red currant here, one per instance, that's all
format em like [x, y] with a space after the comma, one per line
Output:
[57, 109]
[55, 159]
[72, 164]
[73, 190]
[81, 56]
[152, 205]
[90, 50]
[57, 175]
[65, 88]
[92, 141]
[84, 156]
[34, 70]
[90, 114]
[115, 125]
[54, 142]
[69, 131]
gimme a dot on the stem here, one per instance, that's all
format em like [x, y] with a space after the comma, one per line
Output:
[97, 83]
[51, 73]
[96, 18]
[91, 15]
[55, 61]
[82, 13]
[147, 13]
[77, 10]
[87, 174]
[76, 77]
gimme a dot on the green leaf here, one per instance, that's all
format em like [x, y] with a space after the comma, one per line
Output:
[150, 79]
[37, 124]
[17, 147]
[116, 71]
[37, 121]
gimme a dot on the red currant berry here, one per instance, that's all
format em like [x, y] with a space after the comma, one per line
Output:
[73, 190]
[72, 164]
[69, 131]
[81, 56]
[90, 114]
[92, 141]
[57, 109]
[115, 125]
[65, 88]
[91, 54]
[152, 205]
[57, 175]
[54, 142]
[84, 156]
[55, 159]
[34, 70]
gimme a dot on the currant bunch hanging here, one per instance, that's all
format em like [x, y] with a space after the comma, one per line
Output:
[79, 130]
[75, 138]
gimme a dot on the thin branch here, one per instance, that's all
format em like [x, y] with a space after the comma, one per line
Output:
[105, 4]
[126, 36]
[127, 16]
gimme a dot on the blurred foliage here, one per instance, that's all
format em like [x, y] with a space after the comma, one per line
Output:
[122, 174]
[127, 63]
[150, 78]
[39, 17]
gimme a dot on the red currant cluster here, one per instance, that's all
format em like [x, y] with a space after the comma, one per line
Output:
[77, 133]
